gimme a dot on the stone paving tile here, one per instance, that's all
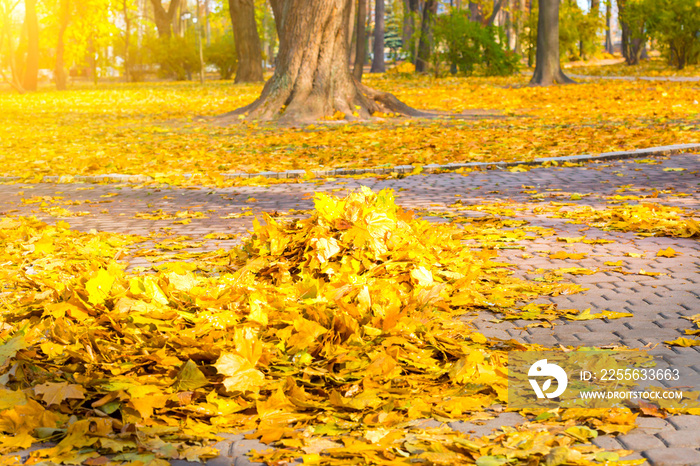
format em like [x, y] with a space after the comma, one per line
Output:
[673, 457]
[658, 303]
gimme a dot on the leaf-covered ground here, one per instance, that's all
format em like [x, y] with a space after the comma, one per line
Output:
[331, 335]
[654, 67]
[166, 131]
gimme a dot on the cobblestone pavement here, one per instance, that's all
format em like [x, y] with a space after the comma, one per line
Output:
[658, 303]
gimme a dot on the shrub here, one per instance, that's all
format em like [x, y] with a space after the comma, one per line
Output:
[675, 24]
[222, 54]
[470, 46]
[178, 57]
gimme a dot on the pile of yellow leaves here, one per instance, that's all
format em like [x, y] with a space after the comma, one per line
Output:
[333, 334]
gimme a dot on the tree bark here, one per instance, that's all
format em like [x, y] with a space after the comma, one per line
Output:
[59, 70]
[412, 10]
[352, 21]
[426, 35]
[547, 65]
[164, 18]
[30, 77]
[518, 25]
[632, 43]
[378, 65]
[608, 24]
[496, 9]
[127, 41]
[361, 43]
[475, 12]
[278, 13]
[312, 77]
[13, 81]
[245, 33]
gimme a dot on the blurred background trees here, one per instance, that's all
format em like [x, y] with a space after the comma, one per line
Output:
[61, 41]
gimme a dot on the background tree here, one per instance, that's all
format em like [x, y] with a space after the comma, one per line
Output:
[312, 76]
[632, 22]
[164, 18]
[245, 33]
[7, 52]
[675, 24]
[30, 76]
[608, 31]
[361, 41]
[430, 8]
[378, 65]
[64, 19]
[411, 20]
[547, 62]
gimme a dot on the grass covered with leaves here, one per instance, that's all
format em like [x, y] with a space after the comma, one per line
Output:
[654, 67]
[156, 129]
[334, 334]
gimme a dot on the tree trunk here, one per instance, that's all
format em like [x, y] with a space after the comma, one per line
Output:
[519, 21]
[426, 35]
[632, 43]
[361, 43]
[245, 33]
[4, 32]
[312, 78]
[59, 70]
[496, 9]
[31, 68]
[352, 34]
[278, 12]
[608, 32]
[164, 19]
[475, 12]
[378, 61]
[547, 65]
[411, 12]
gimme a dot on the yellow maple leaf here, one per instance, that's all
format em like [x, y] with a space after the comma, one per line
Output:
[668, 252]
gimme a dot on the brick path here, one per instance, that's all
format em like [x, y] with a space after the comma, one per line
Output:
[657, 302]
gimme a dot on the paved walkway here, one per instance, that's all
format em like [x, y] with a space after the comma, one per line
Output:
[657, 302]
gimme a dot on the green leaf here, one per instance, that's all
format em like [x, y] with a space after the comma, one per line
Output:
[190, 377]
[491, 460]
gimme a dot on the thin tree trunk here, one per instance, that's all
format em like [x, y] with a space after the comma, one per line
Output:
[496, 9]
[92, 59]
[31, 68]
[547, 65]
[352, 20]
[632, 43]
[475, 12]
[378, 61]
[127, 40]
[361, 44]
[312, 78]
[59, 70]
[426, 35]
[608, 24]
[519, 20]
[410, 41]
[245, 32]
[4, 32]
[207, 25]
